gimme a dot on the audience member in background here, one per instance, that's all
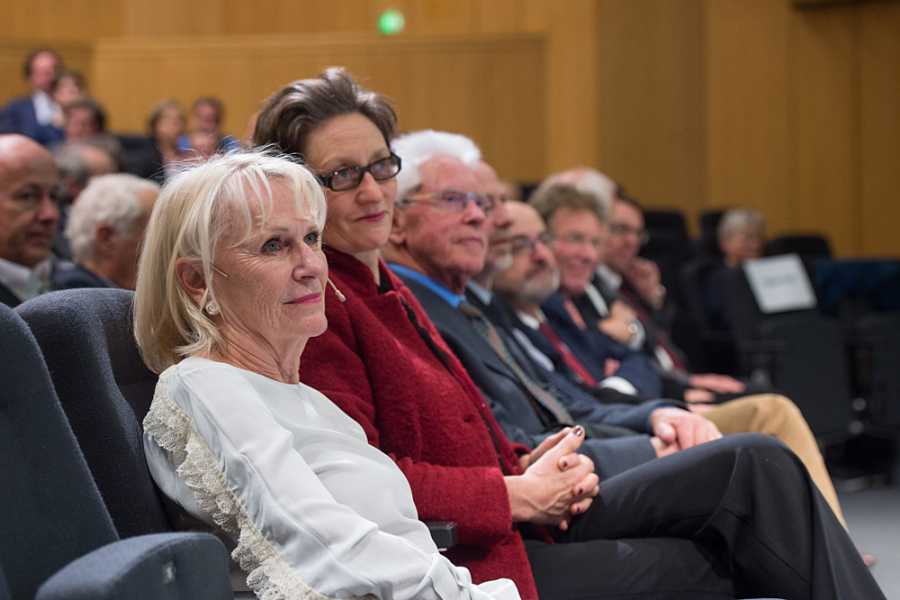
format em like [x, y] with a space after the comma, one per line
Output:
[165, 125]
[426, 251]
[32, 115]
[84, 118]
[230, 291]
[625, 297]
[105, 230]
[533, 278]
[756, 526]
[206, 118]
[68, 87]
[77, 162]
[742, 235]
[28, 217]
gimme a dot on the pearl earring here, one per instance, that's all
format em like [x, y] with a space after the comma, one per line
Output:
[212, 308]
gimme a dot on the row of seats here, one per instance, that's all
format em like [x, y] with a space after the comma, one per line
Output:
[82, 519]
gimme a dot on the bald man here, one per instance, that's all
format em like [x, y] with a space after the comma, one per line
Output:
[28, 218]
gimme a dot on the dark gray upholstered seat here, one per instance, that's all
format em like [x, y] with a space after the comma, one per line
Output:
[51, 513]
[105, 390]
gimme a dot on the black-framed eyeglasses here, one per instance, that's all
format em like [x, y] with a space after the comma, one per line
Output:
[522, 244]
[347, 178]
[621, 230]
[453, 200]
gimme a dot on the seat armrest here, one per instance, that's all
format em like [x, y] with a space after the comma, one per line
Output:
[164, 566]
[443, 533]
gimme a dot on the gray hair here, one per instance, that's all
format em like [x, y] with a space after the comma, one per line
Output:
[71, 163]
[193, 211]
[584, 180]
[417, 148]
[741, 219]
[112, 200]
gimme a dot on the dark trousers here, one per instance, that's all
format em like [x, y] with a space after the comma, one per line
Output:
[734, 518]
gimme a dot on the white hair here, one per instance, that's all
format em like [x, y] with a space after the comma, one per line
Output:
[741, 220]
[587, 181]
[228, 193]
[112, 200]
[417, 148]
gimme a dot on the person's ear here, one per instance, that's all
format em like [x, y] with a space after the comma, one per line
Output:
[398, 226]
[104, 240]
[189, 273]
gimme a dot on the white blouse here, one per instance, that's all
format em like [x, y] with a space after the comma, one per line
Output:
[315, 511]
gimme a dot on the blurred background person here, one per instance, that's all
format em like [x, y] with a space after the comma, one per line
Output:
[165, 125]
[32, 115]
[206, 117]
[68, 87]
[105, 230]
[742, 235]
[28, 218]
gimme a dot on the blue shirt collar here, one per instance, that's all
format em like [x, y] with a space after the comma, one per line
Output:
[441, 290]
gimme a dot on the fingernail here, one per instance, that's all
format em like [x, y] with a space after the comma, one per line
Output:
[579, 430]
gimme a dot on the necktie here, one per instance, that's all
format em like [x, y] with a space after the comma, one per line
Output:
[544, 399]
[568, 357]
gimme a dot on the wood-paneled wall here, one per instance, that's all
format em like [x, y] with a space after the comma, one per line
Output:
[454, 83]
[690, 103]
[803, 117]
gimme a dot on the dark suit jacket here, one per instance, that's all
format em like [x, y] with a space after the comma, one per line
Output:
[514, 408]
[70, 275]
[7, 297]
[19, 117]
[592, 348]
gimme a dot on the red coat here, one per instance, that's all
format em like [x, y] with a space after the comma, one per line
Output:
[427, 415]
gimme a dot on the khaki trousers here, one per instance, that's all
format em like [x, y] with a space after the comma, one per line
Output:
[777, 416]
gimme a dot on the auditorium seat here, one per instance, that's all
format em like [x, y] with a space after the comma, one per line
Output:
[57, 540]
[807, 246]
[105, 390]
[802, 352]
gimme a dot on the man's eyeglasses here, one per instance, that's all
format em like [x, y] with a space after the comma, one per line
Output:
[454, 201]
[522, 244]
[621, 230]
[347, 178]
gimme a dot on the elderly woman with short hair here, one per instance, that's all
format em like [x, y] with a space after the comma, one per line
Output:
[230, 290]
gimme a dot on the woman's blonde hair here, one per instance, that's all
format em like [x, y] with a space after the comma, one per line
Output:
[193, 211]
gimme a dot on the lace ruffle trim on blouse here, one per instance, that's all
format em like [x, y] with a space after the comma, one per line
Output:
[268, 574]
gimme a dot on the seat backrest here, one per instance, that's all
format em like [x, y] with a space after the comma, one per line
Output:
[807, 246]
[50, 510]
[668, 221]
[105, 389]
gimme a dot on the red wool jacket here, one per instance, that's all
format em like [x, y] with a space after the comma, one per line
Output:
[425, 413]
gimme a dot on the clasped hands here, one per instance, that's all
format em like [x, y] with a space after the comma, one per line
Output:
[558, 483]
[675, 429]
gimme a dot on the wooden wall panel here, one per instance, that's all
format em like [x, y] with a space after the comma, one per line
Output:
[651, 100]
[748, 129]
[459, 83]
[12, 55]
[879, 130]
[60, 19]
[823, 116]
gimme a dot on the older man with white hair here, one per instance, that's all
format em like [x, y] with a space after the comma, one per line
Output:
[704, 507]
[105, 229]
